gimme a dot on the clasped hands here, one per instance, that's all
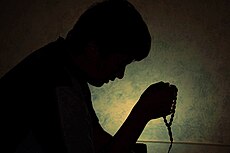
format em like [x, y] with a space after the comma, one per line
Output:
[157, 101]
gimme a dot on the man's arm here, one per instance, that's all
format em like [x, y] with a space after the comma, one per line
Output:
[101, 138]
[155, 102]
[126, 137]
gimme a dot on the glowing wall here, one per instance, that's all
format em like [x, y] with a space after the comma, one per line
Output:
[190, 49]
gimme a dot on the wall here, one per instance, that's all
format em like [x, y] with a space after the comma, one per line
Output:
[190, 49]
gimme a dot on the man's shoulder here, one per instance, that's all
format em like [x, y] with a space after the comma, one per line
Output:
[42, 65]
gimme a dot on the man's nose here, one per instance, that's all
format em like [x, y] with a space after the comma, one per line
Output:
[120, 74]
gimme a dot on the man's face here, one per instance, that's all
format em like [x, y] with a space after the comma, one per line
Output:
[108, 68]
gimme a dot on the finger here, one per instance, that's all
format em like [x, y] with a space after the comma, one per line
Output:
[162, 86]
[167, 104]
[174, 91]
[154, 87]
[166, 112]
[173, 87]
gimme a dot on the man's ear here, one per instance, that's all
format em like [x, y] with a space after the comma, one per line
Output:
[91, 48]
[92, 51]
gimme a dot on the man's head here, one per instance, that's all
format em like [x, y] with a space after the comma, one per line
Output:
[112, 29]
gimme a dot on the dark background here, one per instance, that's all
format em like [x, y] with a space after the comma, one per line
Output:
[190, 49]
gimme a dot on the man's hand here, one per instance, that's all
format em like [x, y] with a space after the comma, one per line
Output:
[156, 101]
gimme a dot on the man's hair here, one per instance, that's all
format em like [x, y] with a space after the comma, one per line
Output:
[116, 26]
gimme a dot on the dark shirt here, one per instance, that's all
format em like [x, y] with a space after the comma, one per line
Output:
[43, 95]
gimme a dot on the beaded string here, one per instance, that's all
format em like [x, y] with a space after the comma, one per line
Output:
[168, 124]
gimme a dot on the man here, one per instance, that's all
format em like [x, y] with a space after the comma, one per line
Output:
[47, 93]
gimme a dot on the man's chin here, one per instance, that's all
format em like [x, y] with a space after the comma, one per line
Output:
[96, 83]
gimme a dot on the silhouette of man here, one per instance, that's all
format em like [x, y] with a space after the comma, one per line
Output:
[47, 93]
